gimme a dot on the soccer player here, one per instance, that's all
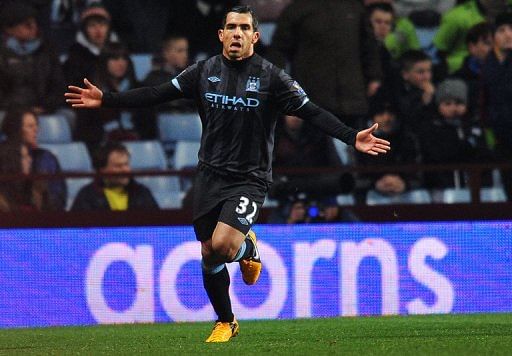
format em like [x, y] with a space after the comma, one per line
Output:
[240, 95]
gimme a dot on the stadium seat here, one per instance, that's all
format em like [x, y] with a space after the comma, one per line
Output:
[266, 30]
[455, 196]
[270, 203]
[165, 190]
[345, 199]
[416, 196]
[54, 129]
[72, 157]
[142, 64]
[185, 155]
[174, 127]
[344, 151]
[493, 195]
[74, 185]
[146, 155]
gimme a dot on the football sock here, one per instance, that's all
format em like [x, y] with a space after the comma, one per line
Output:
[216, 283]
[246, 250]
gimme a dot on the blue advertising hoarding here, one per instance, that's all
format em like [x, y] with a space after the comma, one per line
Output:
[52, 277]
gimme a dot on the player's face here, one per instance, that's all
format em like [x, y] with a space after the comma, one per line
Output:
[118, 162]
[238, 36]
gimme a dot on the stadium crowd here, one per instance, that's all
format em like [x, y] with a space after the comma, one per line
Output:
[435, 75]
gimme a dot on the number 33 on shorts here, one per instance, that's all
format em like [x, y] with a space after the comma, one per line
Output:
[248, 208]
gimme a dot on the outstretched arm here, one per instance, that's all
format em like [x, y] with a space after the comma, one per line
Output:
[363, 140]
[91, 97]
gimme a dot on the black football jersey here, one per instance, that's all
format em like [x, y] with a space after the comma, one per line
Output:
[239, 103]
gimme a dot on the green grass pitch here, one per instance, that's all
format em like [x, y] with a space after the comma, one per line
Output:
[478, 334]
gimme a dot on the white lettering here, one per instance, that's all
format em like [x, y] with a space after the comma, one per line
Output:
[305, 256]
[424, 274]
[175, 260]
[278, 279]
[140, 260]
[351, 256]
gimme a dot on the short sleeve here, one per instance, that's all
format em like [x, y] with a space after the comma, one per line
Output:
[288, 93]
[186, 81]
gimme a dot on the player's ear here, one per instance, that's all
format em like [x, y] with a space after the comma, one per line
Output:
[255, 37]
[221, 34]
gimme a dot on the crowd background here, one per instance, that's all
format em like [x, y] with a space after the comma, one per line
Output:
[435, 75]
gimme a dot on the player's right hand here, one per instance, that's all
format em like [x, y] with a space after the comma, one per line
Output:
[88, 97]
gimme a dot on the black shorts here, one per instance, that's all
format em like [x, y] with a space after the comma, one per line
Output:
[235, 201]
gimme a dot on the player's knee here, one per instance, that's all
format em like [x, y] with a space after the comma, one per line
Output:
[223, 249]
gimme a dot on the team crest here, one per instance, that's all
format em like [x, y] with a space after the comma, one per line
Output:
[214, 79]
[253, 84]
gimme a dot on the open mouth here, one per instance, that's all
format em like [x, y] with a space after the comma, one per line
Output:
[235, 45]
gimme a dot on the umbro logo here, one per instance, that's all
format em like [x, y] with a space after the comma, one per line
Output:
[214, 79]
[243, 221]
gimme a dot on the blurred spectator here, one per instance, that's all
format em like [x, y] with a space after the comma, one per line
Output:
[267, 10]
[405, 151]
[292, 211]
[497, 87]
[94, 34]
[200, 20]
[328, 211]
[414, 97]
[30, 72]
[450, 40]
[170, 62]
[115, 74]
[405, 7]
[397, 33]
[21, 125]
[142, 24]
[479, 44]
[116, 192]
[450, 137]
[382, 19]
[61, 19]
[20, 195]
[297, 213]
[333, 54]
[300, 145]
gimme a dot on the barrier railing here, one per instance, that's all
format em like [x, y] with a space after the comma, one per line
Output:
[435, 211]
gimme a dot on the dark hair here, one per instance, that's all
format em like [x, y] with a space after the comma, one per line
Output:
[478, 32]
[14, 192]
[411, 57]
[13, 13]
[102, 154]
[382, 6]
[113, 51]
[242, 9]
[13, 122]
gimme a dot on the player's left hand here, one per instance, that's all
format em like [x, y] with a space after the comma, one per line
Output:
[367, 143]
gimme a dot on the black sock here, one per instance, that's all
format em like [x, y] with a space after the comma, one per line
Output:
[217, 288]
